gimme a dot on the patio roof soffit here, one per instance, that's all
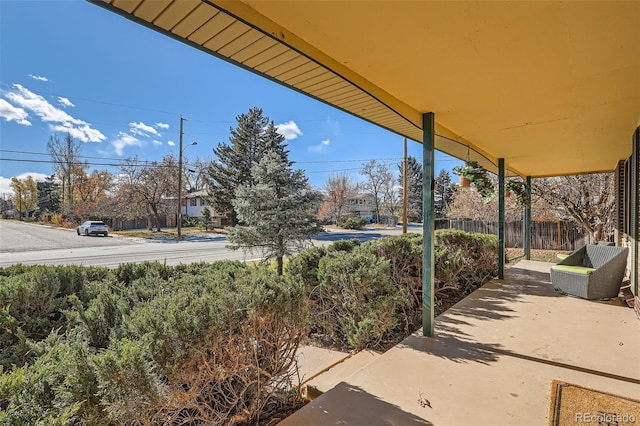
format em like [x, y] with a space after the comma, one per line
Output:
[505, 80]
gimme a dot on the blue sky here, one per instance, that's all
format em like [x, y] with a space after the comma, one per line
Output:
[120, 89]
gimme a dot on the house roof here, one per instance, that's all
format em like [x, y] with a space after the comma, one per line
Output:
[552, 87]
[196, 194]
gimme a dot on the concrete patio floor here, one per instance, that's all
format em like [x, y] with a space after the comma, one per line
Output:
[492, 361]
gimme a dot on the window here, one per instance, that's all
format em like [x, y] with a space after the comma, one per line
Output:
[193, 202]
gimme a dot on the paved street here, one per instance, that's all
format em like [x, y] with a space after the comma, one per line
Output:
[32, 244]
[18, 236]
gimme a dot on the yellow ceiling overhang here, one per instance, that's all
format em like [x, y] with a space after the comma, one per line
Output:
[551, 87]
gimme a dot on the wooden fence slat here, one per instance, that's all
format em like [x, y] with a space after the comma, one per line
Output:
[544, 235]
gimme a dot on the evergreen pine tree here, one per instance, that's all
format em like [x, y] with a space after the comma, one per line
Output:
[48, 200]
[443, 195]
[277, 213]
[248, 143]
[205, 219]
[414, 188]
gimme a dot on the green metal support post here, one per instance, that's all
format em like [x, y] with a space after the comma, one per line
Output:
[501, 218]
[527, 222]
[428, 146]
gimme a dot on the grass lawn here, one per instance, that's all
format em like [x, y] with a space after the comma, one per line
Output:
[516, 254]
[187, 232]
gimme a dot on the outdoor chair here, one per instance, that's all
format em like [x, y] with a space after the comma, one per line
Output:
[562, 256]
[591, 272]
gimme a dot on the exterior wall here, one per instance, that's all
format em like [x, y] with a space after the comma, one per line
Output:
[635, 220]
[193, 206]
[362, 205]
[628, 174]
[193, 203]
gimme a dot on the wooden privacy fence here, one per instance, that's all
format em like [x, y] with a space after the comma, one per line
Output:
[118, 224]
[561, 235]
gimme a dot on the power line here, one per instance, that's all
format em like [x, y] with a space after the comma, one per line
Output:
[122, 163]
[361, 160]
[349, 161]
[79, 156]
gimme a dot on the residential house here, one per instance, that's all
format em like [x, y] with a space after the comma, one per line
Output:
[193, 203]
[361, 205]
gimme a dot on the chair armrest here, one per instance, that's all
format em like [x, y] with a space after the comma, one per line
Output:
[574, 258]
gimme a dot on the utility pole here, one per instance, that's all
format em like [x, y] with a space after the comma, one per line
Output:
[404, 189]
[179, 218]
[182, 119]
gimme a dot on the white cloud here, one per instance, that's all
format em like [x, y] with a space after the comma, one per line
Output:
[171, 143]
[142, 129]
[5, 183]
[321, 147]
[65, 102]
[289, 130]
[12, 113]
[156, 143]
[162, 125]
[123, 140]
[83, 132]
[48, 113]
[38, 77]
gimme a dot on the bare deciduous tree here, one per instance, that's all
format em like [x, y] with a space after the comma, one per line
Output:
[195, 173]
[376, 175]
[468, 204]
[66, 164]
[391, 196]
[147, 187]
[338, 188]
[587, 199]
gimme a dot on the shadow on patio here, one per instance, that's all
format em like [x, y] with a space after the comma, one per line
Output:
[492, 361]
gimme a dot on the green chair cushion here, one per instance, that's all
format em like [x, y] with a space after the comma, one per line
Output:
[574, 269]
[561, 256]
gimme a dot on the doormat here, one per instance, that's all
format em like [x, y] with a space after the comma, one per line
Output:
[576, 405]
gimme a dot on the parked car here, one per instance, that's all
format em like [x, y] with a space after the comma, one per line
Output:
[93, 227]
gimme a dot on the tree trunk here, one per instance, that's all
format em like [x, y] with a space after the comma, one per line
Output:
[598, 233]
[149, 218]
[279, 258]
[157, 217]
[280, 265]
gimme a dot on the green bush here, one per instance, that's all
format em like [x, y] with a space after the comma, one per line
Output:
[351, 222]
[152, 344]
[32, 302]
[344, 245]
[463, 262]
[364, 307]
[404, 254]
[302, 269]
[59, 388]
[129, 272]
[218, 346]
